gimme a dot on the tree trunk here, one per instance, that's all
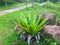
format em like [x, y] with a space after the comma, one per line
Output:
[6, 3]
[1, 1]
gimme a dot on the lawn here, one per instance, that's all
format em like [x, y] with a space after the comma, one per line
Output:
[7, 22]
[13, 5]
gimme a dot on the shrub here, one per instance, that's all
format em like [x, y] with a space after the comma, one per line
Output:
[31, 26]
[52, 6]
[31, 23]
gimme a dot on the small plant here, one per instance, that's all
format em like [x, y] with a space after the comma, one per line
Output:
[31, 25]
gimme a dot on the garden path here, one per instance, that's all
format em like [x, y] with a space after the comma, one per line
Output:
[13, 10]
[16, 9]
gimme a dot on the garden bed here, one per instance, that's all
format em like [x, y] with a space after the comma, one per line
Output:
[7, 25]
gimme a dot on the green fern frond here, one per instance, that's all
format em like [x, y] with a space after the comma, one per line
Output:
[32, 23]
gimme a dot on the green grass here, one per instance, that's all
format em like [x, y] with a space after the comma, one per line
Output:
[58, 3]
[13, 5]
[7, 25]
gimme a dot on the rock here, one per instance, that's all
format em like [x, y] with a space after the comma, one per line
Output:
[52, 31]
[17, 28]
[51, 18]
[24, 36]
[16, 43]
[35, 43]
[58, 22]
[29, 38]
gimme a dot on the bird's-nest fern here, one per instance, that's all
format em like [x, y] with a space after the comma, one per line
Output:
[32, 24]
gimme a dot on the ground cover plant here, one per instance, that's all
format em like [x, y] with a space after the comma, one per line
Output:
[7, 25]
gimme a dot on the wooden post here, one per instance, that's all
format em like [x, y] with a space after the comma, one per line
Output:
[32, 3]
